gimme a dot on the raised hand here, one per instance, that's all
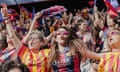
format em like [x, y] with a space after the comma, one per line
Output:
[37, 15]
[4, 10]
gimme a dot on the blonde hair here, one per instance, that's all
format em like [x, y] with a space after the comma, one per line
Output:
[39, 33]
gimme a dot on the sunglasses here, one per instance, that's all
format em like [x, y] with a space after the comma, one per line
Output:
[113, 33]
[63, 33]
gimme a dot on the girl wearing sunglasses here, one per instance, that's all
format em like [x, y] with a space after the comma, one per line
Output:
[67, 52]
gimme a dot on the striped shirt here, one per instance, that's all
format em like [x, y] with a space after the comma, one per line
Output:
[110, 62]
[8, 54]
[66, 62]
[36, 62]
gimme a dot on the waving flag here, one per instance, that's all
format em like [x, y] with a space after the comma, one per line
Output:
[112, 6]
[12, 12]
[114, 3]
[54, 10]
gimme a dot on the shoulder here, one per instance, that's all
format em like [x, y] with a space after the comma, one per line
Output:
[23, 50]
[109, 55]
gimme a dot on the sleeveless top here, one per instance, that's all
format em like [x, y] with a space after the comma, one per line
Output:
[66, 62]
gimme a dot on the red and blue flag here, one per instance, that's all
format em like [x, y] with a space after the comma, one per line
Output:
[112, 6]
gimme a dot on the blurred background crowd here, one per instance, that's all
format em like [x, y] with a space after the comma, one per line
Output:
[60, 36]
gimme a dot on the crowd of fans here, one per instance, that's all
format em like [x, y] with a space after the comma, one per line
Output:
[78, 41]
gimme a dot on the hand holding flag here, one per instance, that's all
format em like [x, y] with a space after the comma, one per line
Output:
[37, 15]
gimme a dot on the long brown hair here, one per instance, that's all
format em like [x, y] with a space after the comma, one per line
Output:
[3, 40]
[72, 40]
